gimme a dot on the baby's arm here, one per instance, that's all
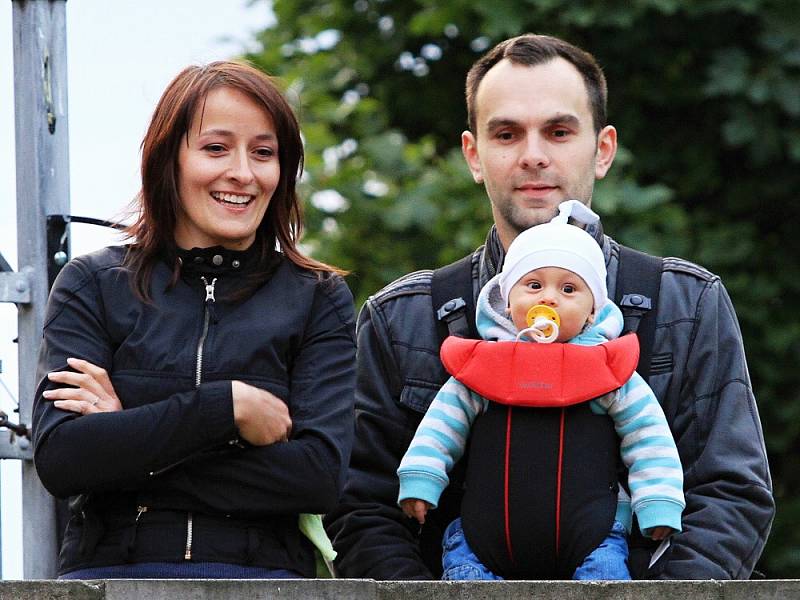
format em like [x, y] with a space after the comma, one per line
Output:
[438, 444]
[655, 474]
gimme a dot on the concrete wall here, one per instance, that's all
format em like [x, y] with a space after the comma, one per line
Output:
[326, 589]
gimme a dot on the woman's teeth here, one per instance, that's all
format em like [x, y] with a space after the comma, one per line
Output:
[231, 198]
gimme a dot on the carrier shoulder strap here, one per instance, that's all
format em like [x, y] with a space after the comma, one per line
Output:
[638, 284]
[453, 300]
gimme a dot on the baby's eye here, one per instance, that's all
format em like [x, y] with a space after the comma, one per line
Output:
[534, 285]
[568, 288]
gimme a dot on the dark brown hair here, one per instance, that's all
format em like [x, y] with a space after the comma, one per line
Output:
[531, 50]
[158, 202]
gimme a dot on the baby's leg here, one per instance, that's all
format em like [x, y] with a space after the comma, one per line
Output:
[609, 560]
[458, 559]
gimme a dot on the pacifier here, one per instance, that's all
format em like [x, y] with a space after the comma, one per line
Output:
[543, 324]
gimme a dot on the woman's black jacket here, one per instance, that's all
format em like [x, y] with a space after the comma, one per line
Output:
[168, 478]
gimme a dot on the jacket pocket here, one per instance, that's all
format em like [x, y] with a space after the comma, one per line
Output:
[417, 397]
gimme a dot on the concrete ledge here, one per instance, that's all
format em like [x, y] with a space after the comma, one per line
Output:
[367, 589]
[52, 590]
[252, 589]
[590, 590]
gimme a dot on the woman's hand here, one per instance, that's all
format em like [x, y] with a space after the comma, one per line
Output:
[261, 417]
[93, 392]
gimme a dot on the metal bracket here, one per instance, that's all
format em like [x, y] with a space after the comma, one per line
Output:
[15, 287]
[14, 446]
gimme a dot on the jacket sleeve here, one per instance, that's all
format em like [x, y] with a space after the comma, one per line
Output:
[729, 502]
[439, 443]
[373, 537]
[305, 474]
[72, 452]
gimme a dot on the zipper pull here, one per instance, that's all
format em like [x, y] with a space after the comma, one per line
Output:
[210, 301]
[209, 288]
[139, 511]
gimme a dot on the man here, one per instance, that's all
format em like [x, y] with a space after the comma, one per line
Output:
[537, 137]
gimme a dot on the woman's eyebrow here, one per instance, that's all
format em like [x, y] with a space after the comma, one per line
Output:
[227, 133]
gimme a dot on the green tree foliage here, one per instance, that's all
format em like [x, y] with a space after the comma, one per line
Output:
[706, 99]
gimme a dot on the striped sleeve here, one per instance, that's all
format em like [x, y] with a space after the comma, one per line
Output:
[439, 442]
[655, 474]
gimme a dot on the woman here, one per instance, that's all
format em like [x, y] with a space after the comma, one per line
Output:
[196, 386]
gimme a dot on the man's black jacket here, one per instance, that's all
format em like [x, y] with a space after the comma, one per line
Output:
[698, 373]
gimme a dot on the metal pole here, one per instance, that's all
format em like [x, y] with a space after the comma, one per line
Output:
[1, 475]
[40, 103]
[1, 535]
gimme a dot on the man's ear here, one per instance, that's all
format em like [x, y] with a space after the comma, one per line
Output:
[606, 151]
[469, 148]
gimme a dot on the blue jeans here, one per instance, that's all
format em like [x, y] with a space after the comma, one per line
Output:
[608, 561]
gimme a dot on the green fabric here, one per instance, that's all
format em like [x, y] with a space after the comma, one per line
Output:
[311, 526]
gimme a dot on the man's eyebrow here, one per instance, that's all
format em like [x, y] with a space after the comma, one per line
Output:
[563, 119]
[557, 119]
[500, 122]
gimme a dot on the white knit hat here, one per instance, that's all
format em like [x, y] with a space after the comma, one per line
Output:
[557, 244]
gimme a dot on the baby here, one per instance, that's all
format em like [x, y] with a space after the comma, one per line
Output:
[547, 424]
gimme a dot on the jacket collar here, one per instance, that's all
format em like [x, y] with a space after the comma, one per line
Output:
[217, 260]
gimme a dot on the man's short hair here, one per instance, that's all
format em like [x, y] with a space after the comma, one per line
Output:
[530, 50]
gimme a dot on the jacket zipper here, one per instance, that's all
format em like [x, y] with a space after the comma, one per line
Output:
[199, 363]
[206, 319]
[188, 554]
[209, 301]
[139, 510]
